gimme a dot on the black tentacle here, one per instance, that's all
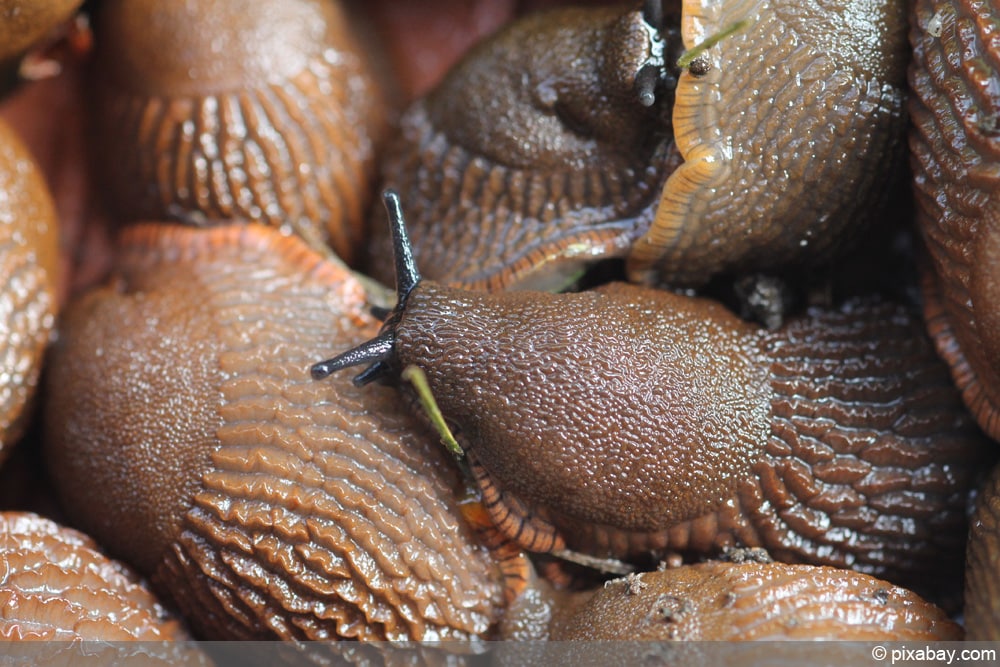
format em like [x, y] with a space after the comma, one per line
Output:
[380, 351]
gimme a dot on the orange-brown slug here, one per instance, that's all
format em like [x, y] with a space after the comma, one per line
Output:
[184, 433]
[254, 110]
[718, 601]
[28, 267]
[955, 149]
[628, 420]
[57, 585]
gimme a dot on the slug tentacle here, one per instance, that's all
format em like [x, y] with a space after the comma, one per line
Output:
[379, 351]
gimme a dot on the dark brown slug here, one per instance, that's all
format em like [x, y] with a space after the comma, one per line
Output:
[982, 574]
[536, 154]
[630, 420]
[955, 148]
[756, 601]
[245, 109]
[28, 267]
[184, 432]
[786, 133]
[24, 23]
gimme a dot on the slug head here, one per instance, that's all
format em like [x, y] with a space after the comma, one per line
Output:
[380, 351]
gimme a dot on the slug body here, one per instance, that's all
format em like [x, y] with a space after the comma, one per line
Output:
[262, 111]
[789, 128]
[536, 155]
[629, 420]
[57, 585]
[955, 148]
[185, 434]
[28, 267]
[756, 601]
[982, 576]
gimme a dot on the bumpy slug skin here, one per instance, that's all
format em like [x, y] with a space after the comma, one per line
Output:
[786, 138]
[955, 148]
[756, 601]
[28, 250]
[982, 574]
[57, 585]
[533, 157]
[186, 434]
[258, 110]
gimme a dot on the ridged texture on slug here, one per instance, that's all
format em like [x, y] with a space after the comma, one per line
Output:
[756, 601]
[56, 584]
[28, 247]
[630, 420]
[255, 110]
[787, 140]
[533, 157]
[276, 506]
[955, 148]
[982, 573]
[871, 455]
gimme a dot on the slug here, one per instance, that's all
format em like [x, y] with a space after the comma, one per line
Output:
[184, 433]
[982, 574]
[23, 24]
[955, 149]
[28, 272]
[255, 110]
[756, 601]
[57, 585]
[790, 129]
[537, 156]
[626, 421]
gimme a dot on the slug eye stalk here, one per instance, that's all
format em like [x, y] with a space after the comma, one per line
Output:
[379, 351]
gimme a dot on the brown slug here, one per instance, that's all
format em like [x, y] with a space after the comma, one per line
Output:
[184, 433]
[28, 267]
[955, 149]
[786, 133]
[536, 153]
[25, 23]
[982, 572]
[718, 601]
[255, 110]
[790, 127]
[57, 585]
[629, 420]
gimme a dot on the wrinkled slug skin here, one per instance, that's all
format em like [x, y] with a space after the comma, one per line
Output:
[28, 261]
[629, 420]
[982, 574]
[533, 157]
[955, 148]
[788, 139]
[245, 109]
[757, 601]
[56, 584]
[186, 434]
